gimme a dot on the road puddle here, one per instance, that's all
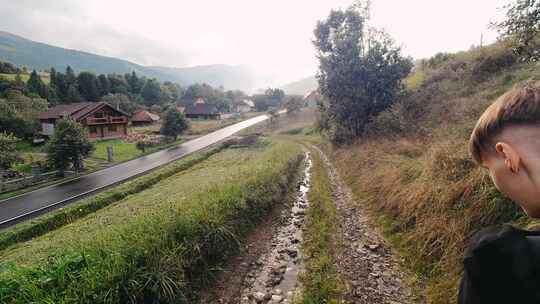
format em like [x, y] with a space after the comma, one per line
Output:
[275, 277]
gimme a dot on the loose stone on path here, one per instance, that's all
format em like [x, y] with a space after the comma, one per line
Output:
[371, 272]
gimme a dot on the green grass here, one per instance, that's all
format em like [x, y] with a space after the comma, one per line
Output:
[122, 151]
[56, 219]
[26, 147]
[320, 280]
[160, 245]
[25, 77]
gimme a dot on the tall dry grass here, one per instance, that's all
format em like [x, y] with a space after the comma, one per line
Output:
[413, 170]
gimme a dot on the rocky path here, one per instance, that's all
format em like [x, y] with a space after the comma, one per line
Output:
[364, 261]
[267, 269]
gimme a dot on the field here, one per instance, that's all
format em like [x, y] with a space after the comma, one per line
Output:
[24, 77]
[162, 243]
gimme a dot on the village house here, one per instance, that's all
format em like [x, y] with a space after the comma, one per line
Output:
[244, 106]
[202, 110]
[99, 118]
[312, 99]
[143, 118]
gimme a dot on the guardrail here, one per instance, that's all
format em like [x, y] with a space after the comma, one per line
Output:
[27, 181]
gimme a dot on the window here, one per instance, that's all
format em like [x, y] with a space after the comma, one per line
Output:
[98, 115]
[93, 130]
[112, 128]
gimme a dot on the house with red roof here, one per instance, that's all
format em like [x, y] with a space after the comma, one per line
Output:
[99, 118]
[142, 118]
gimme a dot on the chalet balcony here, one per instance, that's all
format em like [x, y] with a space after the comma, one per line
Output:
[106, 120]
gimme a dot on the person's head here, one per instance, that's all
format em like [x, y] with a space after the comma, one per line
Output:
[506, 140]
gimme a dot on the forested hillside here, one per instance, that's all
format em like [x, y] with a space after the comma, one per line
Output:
[34, 55]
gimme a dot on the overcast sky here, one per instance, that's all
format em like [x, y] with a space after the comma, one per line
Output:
[273, 36]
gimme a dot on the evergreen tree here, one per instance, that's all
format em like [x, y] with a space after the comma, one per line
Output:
[71, 79]
[35, 85]
[52, 95]
[61, 87]
[104, 86]
[73, 94]
[69, 145]
[87, 84]
[151, 92]
[134, 83]
[174, 123]
[52, 78]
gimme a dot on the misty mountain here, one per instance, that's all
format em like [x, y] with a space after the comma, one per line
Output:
[301, 87]
[233, 77]
[40, 56]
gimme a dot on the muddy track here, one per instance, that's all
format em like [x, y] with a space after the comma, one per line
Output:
[366, 264]
[266, 271]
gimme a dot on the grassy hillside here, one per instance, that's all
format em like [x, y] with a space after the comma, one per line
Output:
[414, 171]
[162, 244]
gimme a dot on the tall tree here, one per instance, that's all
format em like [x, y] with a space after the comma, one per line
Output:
[151, 92]
[73, 94]
[71, 78]
[88, 86]
[69, 145]
[35, 85]
[104, 86]
[52, 77]
[360, 70]
[134, 82]
[174, 123]
[118, 84]
[522, 27]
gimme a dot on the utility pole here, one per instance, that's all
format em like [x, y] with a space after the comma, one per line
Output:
[481, 40]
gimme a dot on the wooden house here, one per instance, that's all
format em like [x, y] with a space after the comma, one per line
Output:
[100, 119]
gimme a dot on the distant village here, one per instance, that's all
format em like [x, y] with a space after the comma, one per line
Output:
[118, 117]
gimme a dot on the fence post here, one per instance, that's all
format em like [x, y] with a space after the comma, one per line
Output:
[110, 154]
[36, 174]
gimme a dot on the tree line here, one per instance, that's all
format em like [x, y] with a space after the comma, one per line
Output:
[21, 101]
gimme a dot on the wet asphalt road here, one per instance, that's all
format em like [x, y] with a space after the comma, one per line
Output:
[27, 205]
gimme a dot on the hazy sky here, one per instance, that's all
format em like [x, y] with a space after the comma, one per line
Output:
[274, 36]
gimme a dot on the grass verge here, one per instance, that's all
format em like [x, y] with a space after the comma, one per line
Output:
[161, 245]
[56, 219]
[320, 279]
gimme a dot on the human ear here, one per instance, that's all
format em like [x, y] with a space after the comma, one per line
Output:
[512, 160]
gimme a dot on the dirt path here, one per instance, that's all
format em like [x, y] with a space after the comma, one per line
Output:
[266, 271]
[364, 260]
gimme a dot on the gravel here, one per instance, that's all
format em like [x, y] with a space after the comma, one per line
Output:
[370, 270]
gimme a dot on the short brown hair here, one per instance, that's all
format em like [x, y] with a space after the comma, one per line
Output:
[520, 105]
